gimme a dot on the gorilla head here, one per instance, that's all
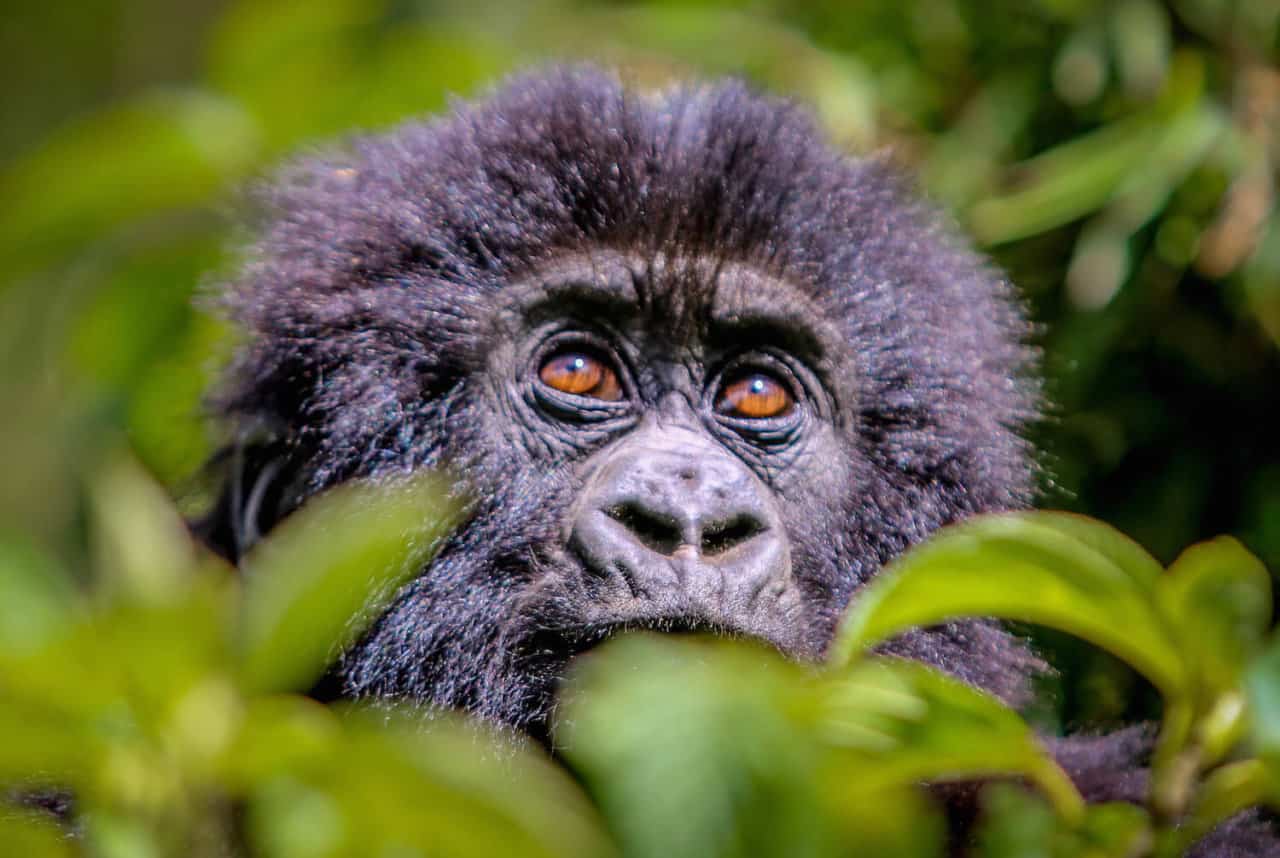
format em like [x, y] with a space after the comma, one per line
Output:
[695, 369]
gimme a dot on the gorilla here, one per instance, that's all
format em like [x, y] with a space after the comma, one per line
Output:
[694, 368]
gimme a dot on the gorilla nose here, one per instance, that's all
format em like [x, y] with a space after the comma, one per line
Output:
[707, 532]
[674, 520]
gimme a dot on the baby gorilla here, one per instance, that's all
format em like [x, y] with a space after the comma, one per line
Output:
[695, 370]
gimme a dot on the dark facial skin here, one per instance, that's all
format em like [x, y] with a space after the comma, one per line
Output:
[684, 504]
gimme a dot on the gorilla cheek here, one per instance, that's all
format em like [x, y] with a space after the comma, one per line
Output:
[673, 529]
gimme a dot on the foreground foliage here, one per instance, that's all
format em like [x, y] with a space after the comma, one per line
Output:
[157, 695]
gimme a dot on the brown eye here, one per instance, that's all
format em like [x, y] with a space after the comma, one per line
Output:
[582, 375]
[755, 397]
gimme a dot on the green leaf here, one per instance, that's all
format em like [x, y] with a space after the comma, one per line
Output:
[1224, 793]
[1111, 830]
[1262, 684]
[1042, 568]
[906, 723]
[157, 153]
[329, 569]
[1016, 824]
[33, 836]
[143, 551]
[278, 733]
[375, 781]
[1218, 596]
[37, 600]
[698, 747]
[43, 747]
[1082, 175]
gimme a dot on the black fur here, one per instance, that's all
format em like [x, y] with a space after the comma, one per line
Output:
[374, 302]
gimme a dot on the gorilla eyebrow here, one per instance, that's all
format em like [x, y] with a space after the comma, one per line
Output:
[749, 305]
[596, 284]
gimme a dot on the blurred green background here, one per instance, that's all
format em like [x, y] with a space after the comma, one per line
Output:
[1117, 158]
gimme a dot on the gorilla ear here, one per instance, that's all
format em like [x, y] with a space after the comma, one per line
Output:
[256, 492]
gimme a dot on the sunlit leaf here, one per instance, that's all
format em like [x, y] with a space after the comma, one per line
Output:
[37, 599]
[1227, 791]
[431, 786]
[1262, 683]
[691, 748]
[1141, 152]
[910, 723]
[324, 572]
[1026, 567]
[277, 734]
[44, 748]
[144, 552]
[33, 836]
[1016, 824]
[1218, 596]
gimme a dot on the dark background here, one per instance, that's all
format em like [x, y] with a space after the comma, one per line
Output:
[1117, 158]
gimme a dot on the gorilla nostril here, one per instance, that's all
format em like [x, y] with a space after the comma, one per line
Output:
[655, 531]
[721, 536]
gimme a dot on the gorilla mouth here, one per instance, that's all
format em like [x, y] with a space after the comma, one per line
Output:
[593, 636]
[566, 644]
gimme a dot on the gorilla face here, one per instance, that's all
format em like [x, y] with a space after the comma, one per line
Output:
[694, 369]
[696, 440]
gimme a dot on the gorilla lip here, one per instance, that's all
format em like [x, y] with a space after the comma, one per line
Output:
[580, 641]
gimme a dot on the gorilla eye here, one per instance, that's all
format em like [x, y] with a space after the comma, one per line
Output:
[755, 396]
[582, 375]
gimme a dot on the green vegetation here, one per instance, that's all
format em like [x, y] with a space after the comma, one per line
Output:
[160, 698]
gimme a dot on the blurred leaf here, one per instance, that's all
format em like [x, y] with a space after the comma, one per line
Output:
[1032, 567]
[168, 425]
[143, 550]
[690, 749]
[329, 569]
[1082, 175]
[37, 599]
[1262, 280]
[913, 724]
[1110, 830]
[965, 160]
[1140, 29]
[161, 652]
[1080, 68]
[1016, 824]
[1103, 260]
[42, 747]
[1226, 792]
[384, 785]
[1218, 596]
[1065, 183]
[32, 836]
[1262, 684]
[159, 153]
